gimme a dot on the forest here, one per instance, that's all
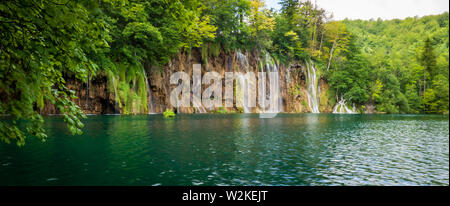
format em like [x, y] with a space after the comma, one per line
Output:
[399, 66]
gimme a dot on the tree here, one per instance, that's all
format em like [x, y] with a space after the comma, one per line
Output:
[398, 47]
[337, 35]
[300, 23]
[351, 77]
[228, 16]
[44, 43]
[436, 99]
[41, 43]
[428, 61]
[261, 23]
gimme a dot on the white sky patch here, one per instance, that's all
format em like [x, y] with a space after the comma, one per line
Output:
[374, 9]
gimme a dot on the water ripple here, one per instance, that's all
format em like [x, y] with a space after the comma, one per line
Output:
[236, 150]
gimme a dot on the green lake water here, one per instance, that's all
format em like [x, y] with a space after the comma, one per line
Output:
[291, 149]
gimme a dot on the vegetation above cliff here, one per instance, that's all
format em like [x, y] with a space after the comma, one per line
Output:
[401, 66]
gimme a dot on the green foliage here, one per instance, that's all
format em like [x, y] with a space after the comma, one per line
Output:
[205, 54]
[221, 110]
[295, 91]
[436, 99]
[153, 31]
[304, 104]
[413, 98]
[408, 62]
[228, 17]
[169, 114]
[350, 75]
[428, 59]
[399, 65]
[41, 44]
[130, 89]
[214, 49]
[261, 25]
[299, 31]
[391, 100]
[286, 42]
[45, 42]
[327, 99]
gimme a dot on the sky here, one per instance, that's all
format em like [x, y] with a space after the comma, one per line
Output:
[374, 9]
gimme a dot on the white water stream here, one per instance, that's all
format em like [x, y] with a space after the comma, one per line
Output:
[313, 93]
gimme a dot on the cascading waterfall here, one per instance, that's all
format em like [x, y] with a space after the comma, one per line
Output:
[341, 108]
[197, 84]
[198, 106]
[242, 89]
[242, 61]
[242, 93]
[313, 87]
[274, 96]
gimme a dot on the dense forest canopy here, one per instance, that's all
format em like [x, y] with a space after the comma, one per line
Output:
[409, 62]
[399, 66]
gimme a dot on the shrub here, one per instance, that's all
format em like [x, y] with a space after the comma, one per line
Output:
[221, 110]
[169, 113]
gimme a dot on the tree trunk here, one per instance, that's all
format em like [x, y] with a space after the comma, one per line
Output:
[420, 88]
[332, 51]
[424, 81]
[320, 46]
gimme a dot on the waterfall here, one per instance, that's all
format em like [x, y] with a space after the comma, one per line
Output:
[341, 108]
[196, 90]
[275, 99]
[198, 106]
[151, 107]
[150, 104]
[243, 61]
[242, 89]
[115, 93]
[313, 87]
[242, 93]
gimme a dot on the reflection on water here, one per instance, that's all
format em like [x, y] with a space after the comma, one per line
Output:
[308, 149]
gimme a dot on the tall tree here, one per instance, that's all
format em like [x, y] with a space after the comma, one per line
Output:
[428, 61]
[261, 23]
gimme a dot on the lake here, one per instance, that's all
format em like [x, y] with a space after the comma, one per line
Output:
[238, 149]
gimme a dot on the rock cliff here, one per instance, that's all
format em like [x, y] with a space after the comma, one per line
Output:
[96, 97]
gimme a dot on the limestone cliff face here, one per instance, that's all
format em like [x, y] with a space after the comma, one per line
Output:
[93, 97]
[98, 99]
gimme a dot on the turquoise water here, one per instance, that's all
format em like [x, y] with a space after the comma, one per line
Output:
[297, 149]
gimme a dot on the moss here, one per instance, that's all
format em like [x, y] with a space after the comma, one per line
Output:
[323, 101]
[130, 88]
[331, 96]
[142, 93]
[305, 105]
[295, 91]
